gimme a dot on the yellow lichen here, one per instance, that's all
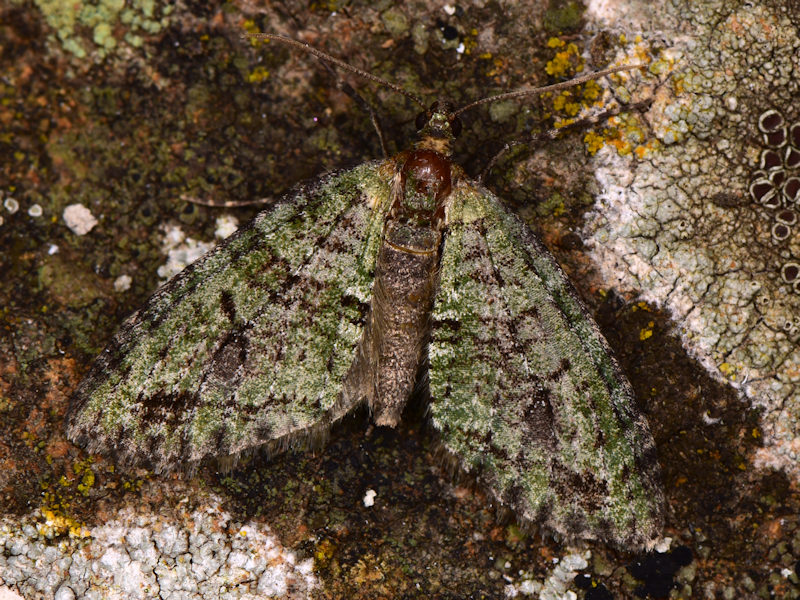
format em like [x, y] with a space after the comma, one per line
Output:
[258, 75]
[83, 469]
[728, 370]
[324, 553]
[591, 91]
[58, 524]
[54, 510]
[568, 104]
[132, 485]
[593, 141]
[560, 100]
[566, 62]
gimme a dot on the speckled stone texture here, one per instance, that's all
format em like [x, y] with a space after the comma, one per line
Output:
[679, 227]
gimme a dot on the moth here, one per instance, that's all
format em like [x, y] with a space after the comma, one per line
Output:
[361, 288]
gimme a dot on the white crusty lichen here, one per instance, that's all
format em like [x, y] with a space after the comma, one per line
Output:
[173, 553]
[79, 219]
[680, 224]
[557, 585]
[181, 251]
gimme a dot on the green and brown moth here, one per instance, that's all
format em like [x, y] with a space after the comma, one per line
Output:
[364, 287]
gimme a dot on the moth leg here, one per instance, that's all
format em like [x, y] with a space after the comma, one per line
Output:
[538, 139]
[362, 103]
[226, 203]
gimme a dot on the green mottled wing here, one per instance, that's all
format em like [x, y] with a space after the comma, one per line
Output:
[249, 345]
[524, 389]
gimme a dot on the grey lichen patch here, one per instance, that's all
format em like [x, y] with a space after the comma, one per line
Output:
[703, 225]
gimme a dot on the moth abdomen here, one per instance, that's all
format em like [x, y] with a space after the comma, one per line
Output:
[402, 299]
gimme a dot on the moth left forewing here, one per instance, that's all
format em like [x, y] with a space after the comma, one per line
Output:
[524, 389]
[249, 345]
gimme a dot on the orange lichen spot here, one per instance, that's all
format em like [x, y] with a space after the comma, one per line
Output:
[623, 147]
[500, 66]
[641, 151]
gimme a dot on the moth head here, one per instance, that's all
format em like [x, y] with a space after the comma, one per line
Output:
[437, 127]
[439, 121]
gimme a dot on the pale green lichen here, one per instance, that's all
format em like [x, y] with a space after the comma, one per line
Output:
[110, 22]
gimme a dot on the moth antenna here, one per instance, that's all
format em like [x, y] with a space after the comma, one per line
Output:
[551, 134]
[335, 61]
[548, 88]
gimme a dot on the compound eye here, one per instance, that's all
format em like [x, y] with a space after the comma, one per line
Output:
[455, 126]
[422, 119]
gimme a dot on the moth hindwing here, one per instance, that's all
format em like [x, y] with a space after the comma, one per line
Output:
[359, 289]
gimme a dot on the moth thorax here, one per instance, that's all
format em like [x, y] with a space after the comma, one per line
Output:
[425, 183]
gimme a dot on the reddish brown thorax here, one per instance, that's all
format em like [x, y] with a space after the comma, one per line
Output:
[430, 171]
[425, 181]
